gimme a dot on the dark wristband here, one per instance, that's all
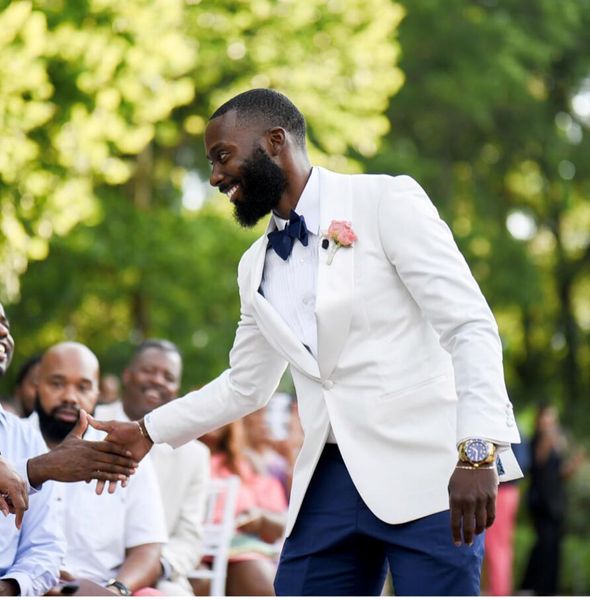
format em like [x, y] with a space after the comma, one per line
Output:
[125, 591]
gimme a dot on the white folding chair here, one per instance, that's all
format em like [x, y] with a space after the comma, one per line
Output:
[217, 535]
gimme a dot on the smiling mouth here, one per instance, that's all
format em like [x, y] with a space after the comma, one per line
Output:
[4, 352]
[230, 192]
[152, 395]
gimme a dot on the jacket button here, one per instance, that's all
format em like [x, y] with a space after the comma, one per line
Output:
[328, 384]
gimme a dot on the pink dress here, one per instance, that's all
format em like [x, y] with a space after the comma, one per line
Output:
[256, 491]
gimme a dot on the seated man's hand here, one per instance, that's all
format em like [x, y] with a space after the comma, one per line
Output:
[125, 435]
[9, 587]
[58, 590]
[78, 460]
[14, 494]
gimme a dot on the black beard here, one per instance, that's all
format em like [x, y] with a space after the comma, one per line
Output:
[263, 184]
[52, 429]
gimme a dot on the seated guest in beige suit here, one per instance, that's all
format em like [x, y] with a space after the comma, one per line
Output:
[152, 379]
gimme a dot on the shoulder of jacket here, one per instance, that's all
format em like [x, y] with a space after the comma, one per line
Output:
[401, 181]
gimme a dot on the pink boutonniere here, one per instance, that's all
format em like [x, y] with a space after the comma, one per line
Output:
[341, 234]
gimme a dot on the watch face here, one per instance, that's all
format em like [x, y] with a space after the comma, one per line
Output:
[476, 450]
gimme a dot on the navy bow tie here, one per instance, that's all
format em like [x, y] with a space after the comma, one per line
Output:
[282, 241]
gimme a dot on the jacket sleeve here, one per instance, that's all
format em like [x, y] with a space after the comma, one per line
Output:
[41, 545]
[421, 247]
[254, 374]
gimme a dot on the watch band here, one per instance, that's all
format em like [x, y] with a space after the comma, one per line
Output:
[125, 591]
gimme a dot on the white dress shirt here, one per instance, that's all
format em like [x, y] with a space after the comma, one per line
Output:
[290, 285]
[183, 477]
[99, 529]
[33, 555]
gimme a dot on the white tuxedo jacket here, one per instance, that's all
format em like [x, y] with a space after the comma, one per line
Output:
[409, 357]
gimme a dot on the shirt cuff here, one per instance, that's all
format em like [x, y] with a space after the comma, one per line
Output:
[20, 466]
[151, 429]
[500, 446]
[25, 583]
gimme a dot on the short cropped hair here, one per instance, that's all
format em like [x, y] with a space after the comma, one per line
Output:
[26, 367]
[163, 345]
[269, 106]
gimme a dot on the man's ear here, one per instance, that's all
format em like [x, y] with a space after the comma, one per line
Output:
[277, 139]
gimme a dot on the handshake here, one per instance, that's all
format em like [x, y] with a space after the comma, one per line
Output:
[112, 460]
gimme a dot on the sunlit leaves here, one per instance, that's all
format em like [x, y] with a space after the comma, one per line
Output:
[128, 88]
[490, 119]
[335, 60]
[80, 94]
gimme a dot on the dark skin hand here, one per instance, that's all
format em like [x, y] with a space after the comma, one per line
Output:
[126, 435]
[78, 460]
[9, 587]
[63, 576]
[141, 568]
[472, 496]
[14, 493]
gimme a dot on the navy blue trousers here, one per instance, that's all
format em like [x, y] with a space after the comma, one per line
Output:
[338, 547]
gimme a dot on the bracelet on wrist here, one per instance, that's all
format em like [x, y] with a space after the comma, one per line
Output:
[143, 430]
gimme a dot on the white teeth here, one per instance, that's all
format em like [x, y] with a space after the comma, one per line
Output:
[231, 191]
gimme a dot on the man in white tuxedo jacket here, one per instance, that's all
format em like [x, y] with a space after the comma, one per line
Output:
[358, 287]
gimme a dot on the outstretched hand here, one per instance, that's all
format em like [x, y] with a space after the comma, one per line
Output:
[125, 435]
[472, 496]
[76, 459]
[14, 494]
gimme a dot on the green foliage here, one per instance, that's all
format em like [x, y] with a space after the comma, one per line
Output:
[82, 90]
[485, 122]
[575, 556]
[334, 59]
[138, 274]
[102, 109]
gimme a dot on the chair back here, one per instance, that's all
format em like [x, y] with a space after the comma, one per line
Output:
[218, 530]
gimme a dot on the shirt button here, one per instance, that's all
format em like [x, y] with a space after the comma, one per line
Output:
[328, 384]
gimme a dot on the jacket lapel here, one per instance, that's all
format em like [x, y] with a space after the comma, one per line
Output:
[270, 323]
[334, 298]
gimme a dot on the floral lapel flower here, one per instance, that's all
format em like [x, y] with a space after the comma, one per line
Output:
[342, 236]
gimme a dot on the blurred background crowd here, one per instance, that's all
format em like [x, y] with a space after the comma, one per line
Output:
[110, 235]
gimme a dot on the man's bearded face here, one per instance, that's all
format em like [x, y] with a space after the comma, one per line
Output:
[55, 425]
[262, 185]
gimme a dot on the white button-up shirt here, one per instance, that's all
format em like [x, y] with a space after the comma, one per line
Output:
[34, 554]
[290, 285]
[99, 529]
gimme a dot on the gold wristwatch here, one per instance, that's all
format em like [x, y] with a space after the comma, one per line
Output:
[477, 452]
